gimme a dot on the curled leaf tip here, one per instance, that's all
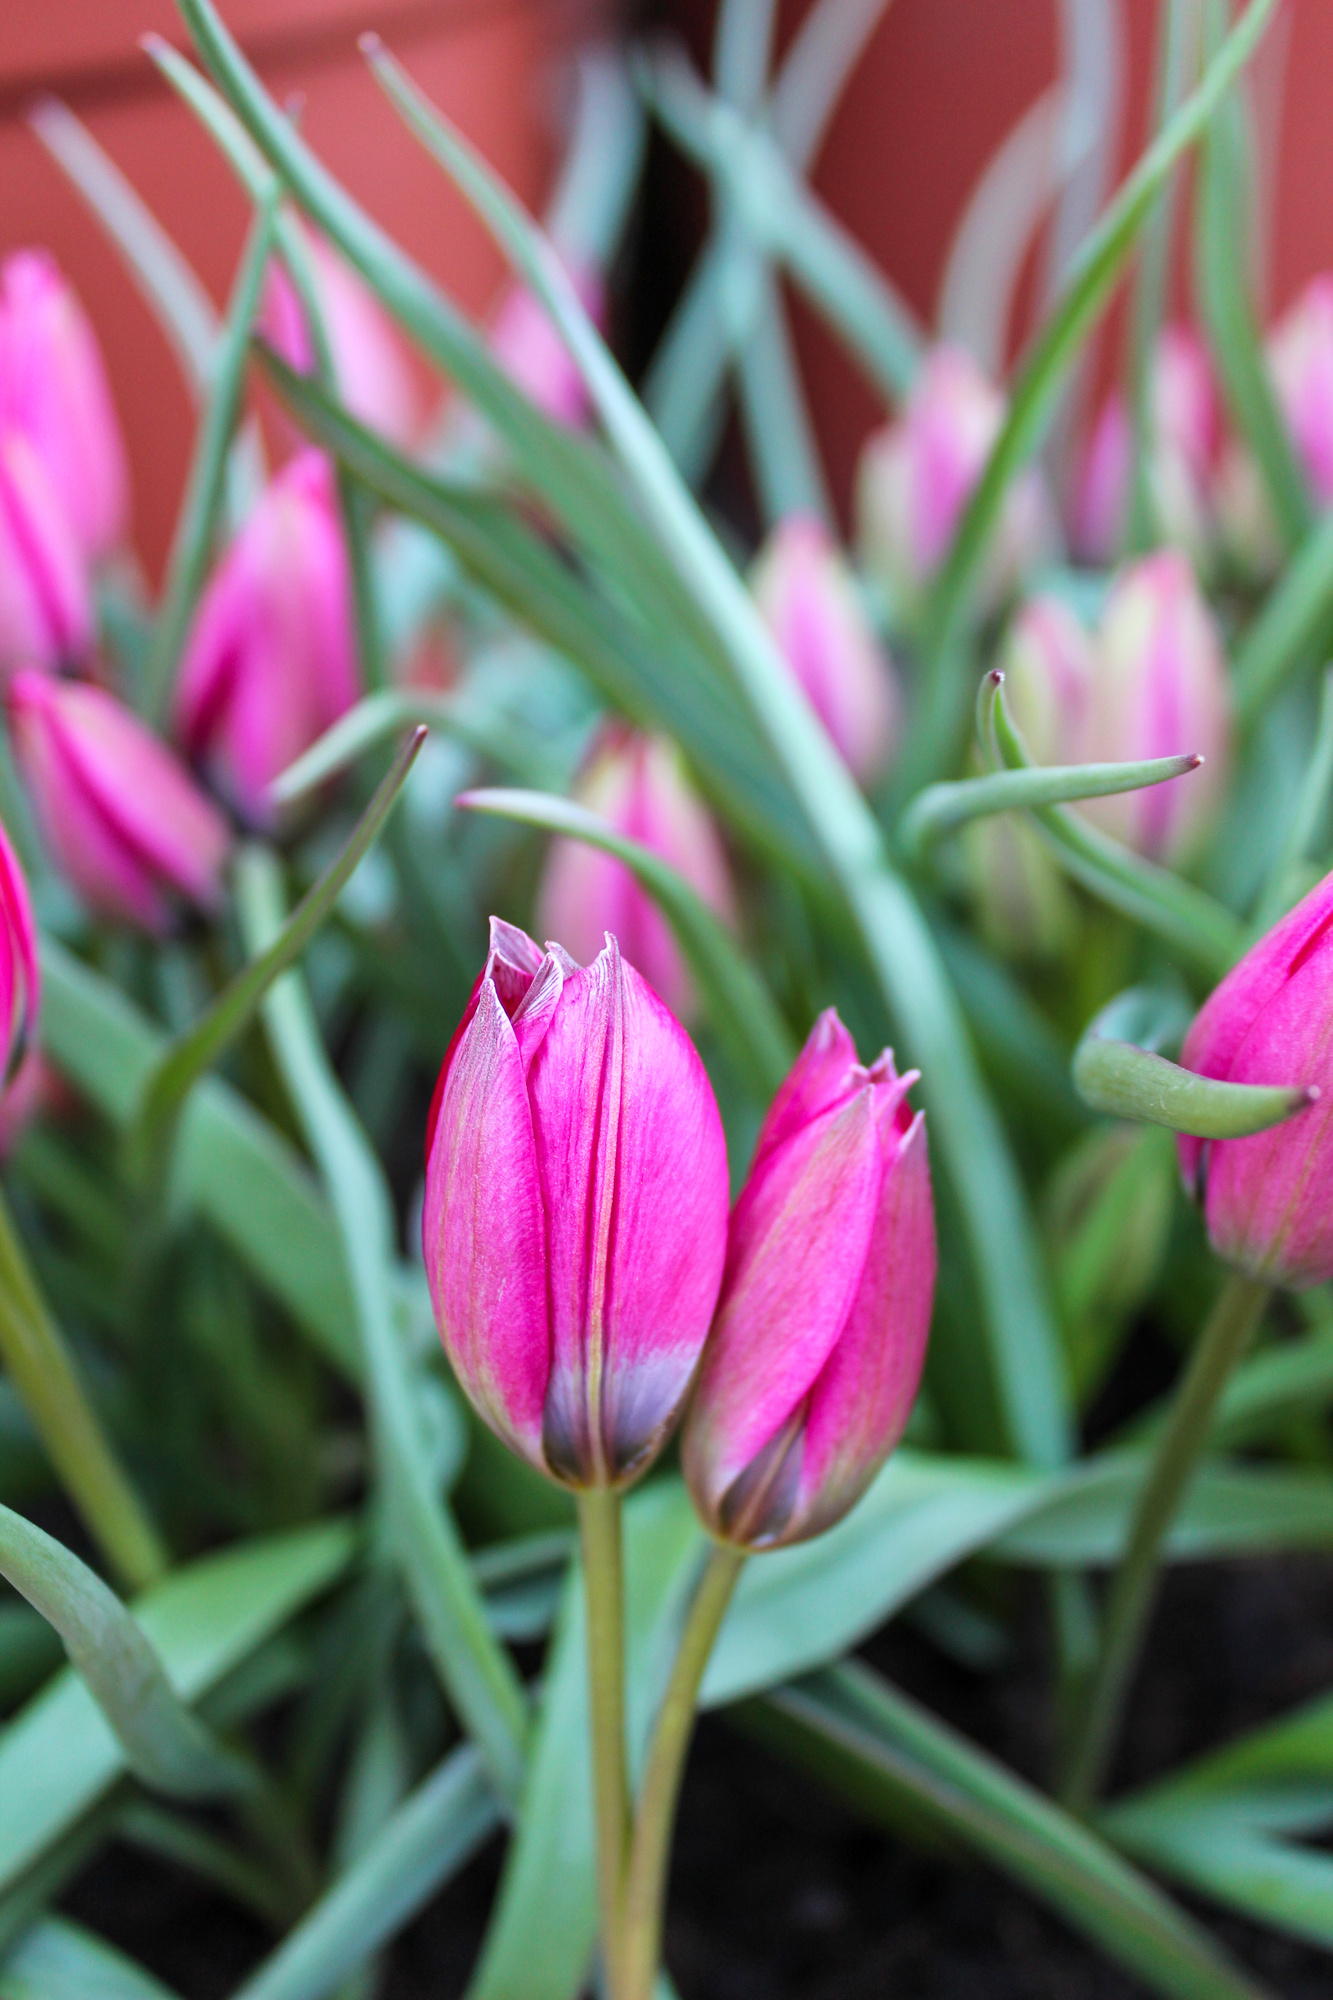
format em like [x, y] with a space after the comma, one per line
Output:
[995, 677]
[370, 44]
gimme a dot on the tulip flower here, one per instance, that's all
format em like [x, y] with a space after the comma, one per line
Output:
[808, 598]
[527, 344]
[816, 1352]
[53, 388]
[917, 475]
[20, 974]
[1268, 1199]
[122, 819]
[1183, 450]
[638, 784]
[373, 375]
[270, 661]
[45, 603]
[1300, 356]
[1049, 664]
[1160, 689]
[576, 1209]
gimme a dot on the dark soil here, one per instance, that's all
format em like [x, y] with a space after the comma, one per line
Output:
[781, 1892]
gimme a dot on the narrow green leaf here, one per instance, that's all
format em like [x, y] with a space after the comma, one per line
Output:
[1091, 278]
[1283, 886]
[60, 1960]
[384, 714]
[1127, 1081]
[431, 1836]
[742, 1009]
[851, 1725]
[165, 1746]
[59, 1756]
[941, 808]
[1290, 624]
[187, 1058]
[478, 1674]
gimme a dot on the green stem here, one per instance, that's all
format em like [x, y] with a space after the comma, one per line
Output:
[1224, 1339]
[604, 1594]
[645, 1889]
[47, 1383]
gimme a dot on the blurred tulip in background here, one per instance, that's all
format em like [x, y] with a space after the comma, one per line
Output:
[373, 374]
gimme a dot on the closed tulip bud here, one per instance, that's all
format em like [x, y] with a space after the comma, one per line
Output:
[1300, 356]
[808, 599]
[123, 820]
[1160, 690]
[53, 388]
[1183, 449]
[1268, 1199]
[1049, 667]
[816, 1352]
[638, 784]
[917, 475]
[46, 610]
[270, 661]
[575, 1219]
[527, 344]
[20, 975]
[372, 371]
[1101, 487]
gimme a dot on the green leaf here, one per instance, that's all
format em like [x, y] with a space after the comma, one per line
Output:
[428, 1839]
[851, 1726]
[1284, 885]
[59, 1960]
[230, 1163]
[188, 1057]
[59, 1756]
[741, 1007]
[478, 1674]
[1290, 625]
[1090, 281]
[165, 1746]
[942, 808]
[1126, 1081]
[384, 714]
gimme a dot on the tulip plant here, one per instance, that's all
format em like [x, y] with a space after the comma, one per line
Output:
[865, 980]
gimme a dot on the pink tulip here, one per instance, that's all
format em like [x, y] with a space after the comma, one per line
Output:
[270, 662]
[20, 973]
[1049, 667]
[816, 1352]
[121, 818]
[1185, 443]
[53, 388]
[576, 1209]
[373, 375]
[809, 601]
[1300, 355]
[1101, 495]
[1268, 1200]
[917, 475]
[1160, 690]
[639, 785]
[528, 346]
[46, 612]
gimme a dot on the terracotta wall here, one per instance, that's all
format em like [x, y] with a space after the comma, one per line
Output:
[488, 62]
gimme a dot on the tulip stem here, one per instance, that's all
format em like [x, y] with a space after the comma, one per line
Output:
[1223, 1341]
[650, 1853]
[604, 1597]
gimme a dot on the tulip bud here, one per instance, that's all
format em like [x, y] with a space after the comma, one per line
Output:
[373, 375]
[1300, 356]
[122, 819]
[638, 784]
[812, 1367]
[1101, 487]
[20, 974]
[808, 599]
[576, 1209]
[1268, 1199]
[270, 660]
[1160, 690]
[46, 610]
[53, 388]
[1183, 447]
[1049, 667]
[917, 475]
[528, 346]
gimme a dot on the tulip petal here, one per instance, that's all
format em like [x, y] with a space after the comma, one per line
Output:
[483, 1232]
[512, 963]
[799, 1241]
[824, 1073]
[22, 973]
[863, 1395]
[634, 1177]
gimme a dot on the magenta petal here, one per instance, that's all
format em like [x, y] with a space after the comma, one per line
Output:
[633, 1169]
[23, 979]
[864, 1394]
[799, 1240]
[822, 1075]
[483, 1232]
